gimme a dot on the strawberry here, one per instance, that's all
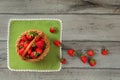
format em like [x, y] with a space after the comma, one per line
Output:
[21, 43]
[21, 51]
[90, 52]
[34, 55]
[24, 38]
[26, 44]
[37, 39]
[92, 62]
[83, 58]
[40, 44]
[52, 30]
[104, 52]
[63, 61]
[38, 50]
[57, 43]
[42, 39]
[29, 50]
[71, 52]
[30, 35]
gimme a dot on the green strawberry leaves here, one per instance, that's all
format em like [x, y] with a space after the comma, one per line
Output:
[36, 54]
[33, 34]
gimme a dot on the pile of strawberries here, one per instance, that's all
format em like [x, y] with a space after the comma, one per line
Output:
[35, 50]
[85, 58]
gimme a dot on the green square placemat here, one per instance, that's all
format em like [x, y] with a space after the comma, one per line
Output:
[51, 61]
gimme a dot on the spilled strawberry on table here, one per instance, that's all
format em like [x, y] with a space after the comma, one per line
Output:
[86, 57]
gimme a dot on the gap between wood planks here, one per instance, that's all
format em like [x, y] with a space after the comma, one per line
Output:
[97, 13]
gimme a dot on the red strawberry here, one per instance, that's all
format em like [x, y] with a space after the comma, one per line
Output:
[104, 52]
[63, 61]
[37, 39]
[29, 37]
[90, 52]
[57, 43]
[38, 50]
[26, 44]
[24, 38]
[34, 55]
[71, 52]
[21, 51]
[83, 58]
[52, 30]
[21, 43]
[92, 62]
[29, 50]
[42, 39]
[40, 44]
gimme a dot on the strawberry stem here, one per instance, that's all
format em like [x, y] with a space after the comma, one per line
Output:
[77, 54]
[36, 54]
[20, 47]
[28, 56]
[32, 34]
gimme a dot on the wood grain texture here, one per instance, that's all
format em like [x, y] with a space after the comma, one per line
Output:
[56, 6]
[102, 61]
[3, 54]
[86, 24]
[74, 62]
[77, 27]
[105, 2]
[64, 74]
[37, 6]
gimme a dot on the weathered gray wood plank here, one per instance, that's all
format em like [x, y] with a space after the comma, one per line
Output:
[102, 61]
[77, 27]
[3, 54]
[64, 74]
[54, 6]
[105, 2]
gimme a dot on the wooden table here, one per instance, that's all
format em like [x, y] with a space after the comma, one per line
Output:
[85, 25]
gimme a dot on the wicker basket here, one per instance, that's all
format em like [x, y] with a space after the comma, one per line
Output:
[45, 51]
